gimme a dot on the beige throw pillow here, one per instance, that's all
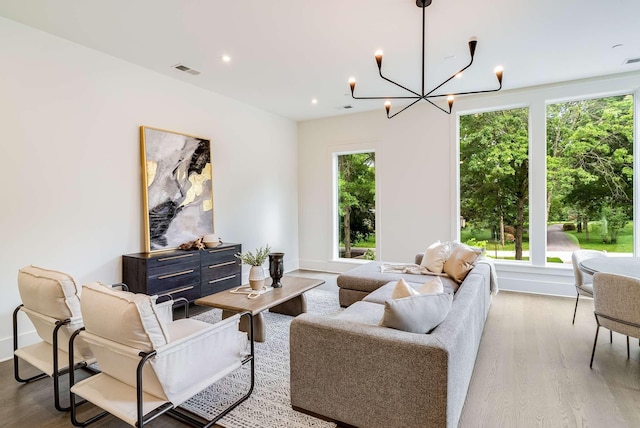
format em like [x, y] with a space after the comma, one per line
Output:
[435, 257]
[416, 314]
[402, 290]
[461, 261]
[433, 286]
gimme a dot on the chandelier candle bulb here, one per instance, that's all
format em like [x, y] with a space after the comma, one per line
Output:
[378, 55]
[352, 84]
[450, 100]
[499, 70]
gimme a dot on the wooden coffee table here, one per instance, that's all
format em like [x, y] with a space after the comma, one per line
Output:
[288, 299]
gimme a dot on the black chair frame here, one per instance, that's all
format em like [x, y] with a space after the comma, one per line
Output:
[56, 364]
[57, 373]
[168, 407]
[595, 341]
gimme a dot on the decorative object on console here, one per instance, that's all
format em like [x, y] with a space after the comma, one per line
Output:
[276, 268]
[431, 94]
[177, 188]
[211, 241]
[256, 273]
[193, 245]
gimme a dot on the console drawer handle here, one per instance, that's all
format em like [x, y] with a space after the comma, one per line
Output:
[222, 264]
[171, 275]
[164, 259]
[179, 290]
[220, 251]
[221, 279]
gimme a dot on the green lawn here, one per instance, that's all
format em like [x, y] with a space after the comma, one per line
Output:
[370, 242]
[624, 243]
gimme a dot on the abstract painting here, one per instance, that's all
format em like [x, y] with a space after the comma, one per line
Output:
[178, 188]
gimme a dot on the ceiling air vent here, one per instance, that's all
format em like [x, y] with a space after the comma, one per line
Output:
[632, 60]
[186, 69]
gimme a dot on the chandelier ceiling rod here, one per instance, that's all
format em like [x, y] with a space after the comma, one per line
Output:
[427, 96]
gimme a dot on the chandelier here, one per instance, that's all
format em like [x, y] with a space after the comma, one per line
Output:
[430, 95]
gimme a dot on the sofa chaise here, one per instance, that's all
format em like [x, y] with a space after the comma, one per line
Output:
[348, 369]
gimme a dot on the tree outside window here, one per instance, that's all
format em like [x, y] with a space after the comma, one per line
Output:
[356, 205]
[590, 174]
[494, 182]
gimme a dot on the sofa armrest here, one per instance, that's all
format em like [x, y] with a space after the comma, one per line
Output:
[366, 375]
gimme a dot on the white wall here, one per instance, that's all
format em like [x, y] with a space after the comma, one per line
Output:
[413, 158]
[416, 159]
[71, 170]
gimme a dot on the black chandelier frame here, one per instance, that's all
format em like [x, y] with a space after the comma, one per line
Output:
[427, 96]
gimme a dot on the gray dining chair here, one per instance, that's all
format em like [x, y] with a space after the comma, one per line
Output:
[583, 281]
[616, 299]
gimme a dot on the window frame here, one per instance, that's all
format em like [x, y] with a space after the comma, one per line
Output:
[336, 151]
[536, 100]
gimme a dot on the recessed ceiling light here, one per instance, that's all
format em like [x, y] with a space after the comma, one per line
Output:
[314, 101]
[225, 58]
[619, 45]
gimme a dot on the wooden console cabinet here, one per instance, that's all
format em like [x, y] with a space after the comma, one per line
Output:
[188, 274]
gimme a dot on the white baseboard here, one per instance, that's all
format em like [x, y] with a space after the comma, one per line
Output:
[24, 339]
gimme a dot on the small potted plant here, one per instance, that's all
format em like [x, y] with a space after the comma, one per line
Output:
[256, 273]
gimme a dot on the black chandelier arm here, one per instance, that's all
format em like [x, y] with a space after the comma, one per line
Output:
[449, 79]
[406, 107]
[418, 97]
[426, 97]
[438, 107]
[397, 84]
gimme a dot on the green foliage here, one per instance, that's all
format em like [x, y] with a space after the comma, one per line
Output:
[590, 157]
[473, 242]
[256, 259]
[612, 223]
[494, 171]
[369, 255]
[356, 197]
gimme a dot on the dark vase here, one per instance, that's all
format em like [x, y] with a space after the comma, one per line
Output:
[276, 268]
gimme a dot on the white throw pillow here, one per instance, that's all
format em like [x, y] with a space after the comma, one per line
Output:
[433, 286]
[402, 290]
[435, 256]
[416, 314]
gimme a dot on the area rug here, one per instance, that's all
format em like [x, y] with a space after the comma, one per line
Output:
[269, 405]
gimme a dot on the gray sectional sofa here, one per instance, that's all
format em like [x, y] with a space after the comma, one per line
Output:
[346, 368]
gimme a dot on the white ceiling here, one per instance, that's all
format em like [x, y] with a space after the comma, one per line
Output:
[286, 52]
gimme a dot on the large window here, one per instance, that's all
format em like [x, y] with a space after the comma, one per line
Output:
[590, 176]
[494, 182]
[589, 179]
[356, 181]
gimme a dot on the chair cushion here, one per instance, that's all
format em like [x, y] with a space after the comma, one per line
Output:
[127, 318]
[49, 292]
[416, 314]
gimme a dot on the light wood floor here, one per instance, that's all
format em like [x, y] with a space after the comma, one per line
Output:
[532, 371]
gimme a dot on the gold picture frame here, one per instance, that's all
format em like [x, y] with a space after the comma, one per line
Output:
[177, 183]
